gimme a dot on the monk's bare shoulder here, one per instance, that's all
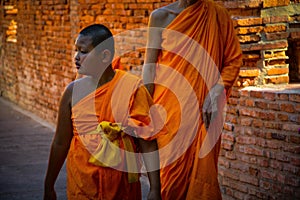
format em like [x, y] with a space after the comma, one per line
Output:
[158, 18]
[162, 17]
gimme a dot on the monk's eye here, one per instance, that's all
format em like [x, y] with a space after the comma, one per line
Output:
[84, 52]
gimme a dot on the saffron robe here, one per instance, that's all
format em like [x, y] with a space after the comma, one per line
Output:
[121, 100]
[199, 49]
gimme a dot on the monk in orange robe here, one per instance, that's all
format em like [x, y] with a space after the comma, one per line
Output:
[192, 60]
[104, 120]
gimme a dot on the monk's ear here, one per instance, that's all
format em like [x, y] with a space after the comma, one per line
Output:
[106, 56]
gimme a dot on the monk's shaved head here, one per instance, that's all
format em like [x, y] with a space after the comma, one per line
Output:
[100, 35]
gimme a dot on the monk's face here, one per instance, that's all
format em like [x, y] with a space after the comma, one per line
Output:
[87, 61]
[83, 46]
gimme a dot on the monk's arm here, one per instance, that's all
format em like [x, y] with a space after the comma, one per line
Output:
[152, 49]
[151, 161]
[60, 144]
[232, 61]
[232, 53]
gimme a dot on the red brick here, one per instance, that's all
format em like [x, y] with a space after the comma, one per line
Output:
[264, 46]
[248, 179]
[292, 148]
[282, 157]
[274, 144]
[248, 112]
[278, 136]
[273, 106]
[247, 102]
[231, 118]
[261, 104]
[287, 107]
[266, 185]
[248, 21]
[251, 150]
[269, 96]
[282, 117]
[246, 121]
[262, 162]
[257, 123]
[277, 79]
[228, 136]
[291, 168]
[244, 93]
[282, 96]
[230, 155]
[277, 36]
[295, 139]
[243, 167]
[297, 107]
[233, 101]
[275, 28]
[275, 62]
[266, 115]
[268, 174]
[295, 160]
[249, 30]
[223, 162]
[274, 3]
[276, 164]
[275, 19]
[295, 35]
[261, 142]
[256, 94]
[238, 195]
[249, 72]
[249, 38]
[231, 109]
[231, 175]
[281, 178]
[273, 125]
[228, 126]
[294, 97]
[227, 145]
[245, 140]
[277, 71]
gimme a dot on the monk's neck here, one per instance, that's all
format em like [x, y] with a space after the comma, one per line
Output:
[107, 76]
[186, 3]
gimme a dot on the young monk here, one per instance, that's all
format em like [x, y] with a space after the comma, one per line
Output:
[103, 121]
[192, 59]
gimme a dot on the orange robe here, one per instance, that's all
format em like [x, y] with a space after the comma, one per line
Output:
[121, 100]
[199, 49]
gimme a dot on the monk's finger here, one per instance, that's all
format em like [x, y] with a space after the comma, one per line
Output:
[204, 118]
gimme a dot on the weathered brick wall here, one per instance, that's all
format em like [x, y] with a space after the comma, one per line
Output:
[260, 144]
[39, 65]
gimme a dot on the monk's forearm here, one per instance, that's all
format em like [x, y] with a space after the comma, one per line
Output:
[149, 71]
[57, 157]
[151, 160]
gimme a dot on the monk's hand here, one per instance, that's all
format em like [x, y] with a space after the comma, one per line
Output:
[49, 194]
[210, 105]
[154, 194]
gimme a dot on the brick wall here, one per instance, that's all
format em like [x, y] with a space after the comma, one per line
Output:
[36, 68]
[260, 144]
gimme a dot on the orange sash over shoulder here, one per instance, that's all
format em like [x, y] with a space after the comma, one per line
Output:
[199, 49]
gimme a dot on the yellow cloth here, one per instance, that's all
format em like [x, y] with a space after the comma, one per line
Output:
[107, 153]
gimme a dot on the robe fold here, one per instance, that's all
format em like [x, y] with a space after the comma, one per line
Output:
[199, 49]
[122, 101]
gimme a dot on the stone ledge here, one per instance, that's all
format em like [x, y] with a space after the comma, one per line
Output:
[280, 89]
